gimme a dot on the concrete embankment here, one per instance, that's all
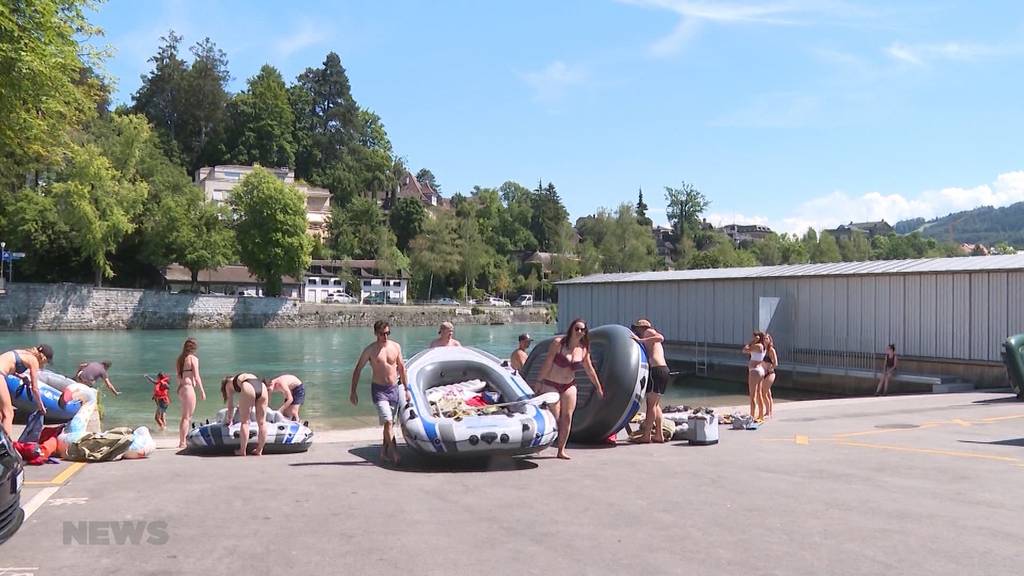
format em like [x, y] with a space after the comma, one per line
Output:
[79, 307]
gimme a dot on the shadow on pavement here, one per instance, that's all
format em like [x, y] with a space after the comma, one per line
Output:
[412, 462]
[1012, 442]
[1000, 400]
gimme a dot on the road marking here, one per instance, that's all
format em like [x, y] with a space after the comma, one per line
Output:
[802, 440]
[962, 423]
[998, 418]
[38, 500]
[68, 473]
[885, 431]
[953, 453]
[63, 501]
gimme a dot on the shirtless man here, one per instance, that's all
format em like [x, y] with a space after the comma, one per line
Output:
[444, 338]
[519, 357]
[385, 358]
[294, 392]
[651, 340]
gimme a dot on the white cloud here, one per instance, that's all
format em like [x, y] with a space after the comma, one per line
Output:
[692, 13]
[307, 34]
[922, 54]
[840, 207]
[552, 82]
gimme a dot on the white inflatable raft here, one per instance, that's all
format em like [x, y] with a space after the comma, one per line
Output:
[283, 435]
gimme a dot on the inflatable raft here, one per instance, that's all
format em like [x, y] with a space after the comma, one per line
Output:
[283, 435]
[466, 404]
[51, 387]
[622, 366]
[1013, 358]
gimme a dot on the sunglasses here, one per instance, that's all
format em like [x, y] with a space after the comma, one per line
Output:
[580, 329]
[388, 333]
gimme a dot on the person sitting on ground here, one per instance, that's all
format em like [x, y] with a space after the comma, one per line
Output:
[518, 359]
[162, 397]
[651, 339]
[12, 365]
[445, 336]
[888, 370]
[251, 392]
[90, 372]
[566, 354]
[755, 374]
[388, 367]
[294, 392]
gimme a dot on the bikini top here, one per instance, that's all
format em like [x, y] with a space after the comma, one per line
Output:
[19, 364]
[564, 361]
[757, 356]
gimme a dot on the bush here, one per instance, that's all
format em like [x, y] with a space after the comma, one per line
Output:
[476, 310]
[552, 312]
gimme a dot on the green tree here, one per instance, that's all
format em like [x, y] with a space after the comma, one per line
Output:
[641, 210]
[353, 230]
[548, 219]
[474, 253]
[262, 122]
[406, 219]
[162, 96]
[769, 251]
[684, 206]
[324, 106]
[856, 248]
[192, 232]
[45, 92]
[270, 224]
[826, 250]
[435, 251]
[425, 176]
[205, 112]
[98, 204]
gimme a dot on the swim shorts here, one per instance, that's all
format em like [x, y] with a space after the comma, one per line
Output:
[659, 380]
[385, 398]
[162, 405]
[299, 395]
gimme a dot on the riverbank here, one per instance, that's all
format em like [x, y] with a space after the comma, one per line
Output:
[81, 307]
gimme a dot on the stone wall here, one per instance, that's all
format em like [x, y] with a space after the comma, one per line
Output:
[80, 307]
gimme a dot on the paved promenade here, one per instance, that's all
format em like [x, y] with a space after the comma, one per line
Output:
[899, 485]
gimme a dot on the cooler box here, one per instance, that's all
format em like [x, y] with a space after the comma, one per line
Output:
[703, 429]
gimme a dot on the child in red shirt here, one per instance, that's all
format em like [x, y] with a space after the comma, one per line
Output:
[162, 398]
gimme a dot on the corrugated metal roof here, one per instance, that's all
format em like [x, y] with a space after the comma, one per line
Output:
[918, 266]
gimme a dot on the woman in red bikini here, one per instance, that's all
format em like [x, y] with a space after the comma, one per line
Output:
[566, 355]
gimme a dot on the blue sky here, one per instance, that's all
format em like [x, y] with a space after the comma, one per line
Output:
[792, 113]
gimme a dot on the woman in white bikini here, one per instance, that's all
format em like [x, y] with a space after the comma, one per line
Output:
[187, 368]
[755, 374]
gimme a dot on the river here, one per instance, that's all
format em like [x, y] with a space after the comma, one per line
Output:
[323, 358]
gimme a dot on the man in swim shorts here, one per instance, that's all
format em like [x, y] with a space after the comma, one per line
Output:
[385, 358]
[657, 381]
[294, 392]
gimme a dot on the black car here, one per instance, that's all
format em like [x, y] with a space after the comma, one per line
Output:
[11, 477]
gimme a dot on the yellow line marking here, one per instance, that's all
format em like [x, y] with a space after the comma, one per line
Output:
[68, 473]
[802, 440]
[886, 430]
[963, 423]
[954, 453]
[998, 418]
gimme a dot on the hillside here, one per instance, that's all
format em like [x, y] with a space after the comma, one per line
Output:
[985, 225]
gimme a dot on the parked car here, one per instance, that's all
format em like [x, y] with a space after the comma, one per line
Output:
[247, 293]
[375, 298]
[471, 302]
[339, 298]
[495, 301]
[12, 476]
[448, 302]
[524, 300]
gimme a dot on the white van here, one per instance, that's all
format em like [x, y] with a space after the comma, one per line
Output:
[524, 300]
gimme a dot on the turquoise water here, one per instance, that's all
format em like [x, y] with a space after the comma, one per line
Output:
[323, 358]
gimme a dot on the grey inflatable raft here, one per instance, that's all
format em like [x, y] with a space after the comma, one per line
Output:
[622, 366]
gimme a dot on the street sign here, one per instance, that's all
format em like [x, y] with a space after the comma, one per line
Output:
[9, 256]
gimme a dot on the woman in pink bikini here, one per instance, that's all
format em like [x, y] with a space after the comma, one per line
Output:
[566, 355]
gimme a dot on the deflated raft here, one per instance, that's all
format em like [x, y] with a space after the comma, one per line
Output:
[283, 435]
[443, 422]
[621, 365]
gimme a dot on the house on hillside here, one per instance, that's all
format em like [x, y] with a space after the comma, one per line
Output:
[227, 280]
[664, 244]
[870, 229]
[740, 233]
[409, 187]
[217, 182]
[325, 277]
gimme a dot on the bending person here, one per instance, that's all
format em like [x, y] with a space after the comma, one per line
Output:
[90, 372]
[189, 379]
[12, 365]
[566, 354]
[294, 392]
[251, 392]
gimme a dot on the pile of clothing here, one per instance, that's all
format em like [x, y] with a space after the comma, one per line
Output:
[467, 398]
